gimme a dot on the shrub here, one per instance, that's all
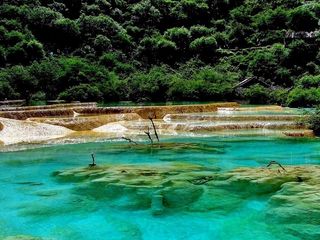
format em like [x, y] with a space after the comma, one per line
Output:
[151, 85]
[313, 121]
[180, 36]
[204, 46]
[279, 96]
[6, 91]
[199, 31]
[13, 37]
[109, 60]
[82, 92]
[309, 81]
[20, 80]
[3, 57]
[299, 97]
[303, 19]
[257, 94]
[101, 44]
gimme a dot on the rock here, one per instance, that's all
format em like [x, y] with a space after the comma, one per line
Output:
[22, 237]
[157, 207]
[218, 200]
[182, 196]
[294, 192]
[303, 231]
[138, 187]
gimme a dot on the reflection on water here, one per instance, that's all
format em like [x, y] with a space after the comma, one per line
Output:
[35, 202]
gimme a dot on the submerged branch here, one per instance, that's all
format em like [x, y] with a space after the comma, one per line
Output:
[276, 163]
[149, 135]
[130, 140]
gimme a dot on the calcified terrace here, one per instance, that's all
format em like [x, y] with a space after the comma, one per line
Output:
[86, 121]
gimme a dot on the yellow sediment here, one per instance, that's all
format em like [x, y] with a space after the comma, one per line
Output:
[304, 133]
[53, 106]
[259, 108]
[204, 117]
[82, 123]
[159, 112]
[23, 113]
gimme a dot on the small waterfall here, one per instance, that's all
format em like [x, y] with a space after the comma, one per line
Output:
[75, 114]
[16, 131]
[82, 122]
[203, 120]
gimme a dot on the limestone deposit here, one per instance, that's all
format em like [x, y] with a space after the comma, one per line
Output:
[83, 123]
[158, 112]
[16, 131]
[292, 192]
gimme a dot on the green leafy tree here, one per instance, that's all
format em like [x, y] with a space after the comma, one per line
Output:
[257, 94]
[82, 92]
[303, 19]
[204, 47]
[180, 36]
[21, 81]
[303, 97]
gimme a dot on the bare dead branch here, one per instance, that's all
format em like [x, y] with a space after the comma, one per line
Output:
[276, 163]
[93, 161]
[154, 128]
[130, 140]
[149, 135]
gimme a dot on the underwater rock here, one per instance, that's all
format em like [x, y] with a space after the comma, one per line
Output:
[294, 192]
[24, 237]
[294, 201]
[261, 180]
[140, 186]
[181, 196]
[157, 207]
[175, 147]
[303, 231]
[219, 200]
[55, 206]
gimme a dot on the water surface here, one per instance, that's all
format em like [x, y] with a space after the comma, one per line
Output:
[34, 203]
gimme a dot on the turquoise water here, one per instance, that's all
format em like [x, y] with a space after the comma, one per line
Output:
[34, 203]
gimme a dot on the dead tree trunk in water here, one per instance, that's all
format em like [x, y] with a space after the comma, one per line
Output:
[93, 161]
[149, 136]
[154, 128]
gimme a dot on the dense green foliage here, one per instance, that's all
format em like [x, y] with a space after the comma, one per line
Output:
[313, 121]
[160, 50]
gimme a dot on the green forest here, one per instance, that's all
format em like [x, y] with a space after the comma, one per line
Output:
[161, 50]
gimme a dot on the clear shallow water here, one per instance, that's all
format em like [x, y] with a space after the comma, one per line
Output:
[34, 203]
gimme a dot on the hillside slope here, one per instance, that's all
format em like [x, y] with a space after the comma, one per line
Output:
[159, 50]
